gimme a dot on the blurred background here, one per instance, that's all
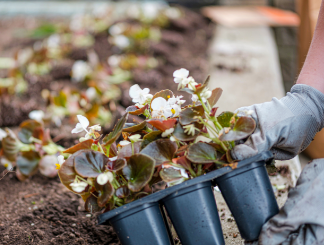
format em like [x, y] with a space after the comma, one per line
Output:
[66, 58]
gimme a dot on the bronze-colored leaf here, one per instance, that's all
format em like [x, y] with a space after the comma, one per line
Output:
[202, 153]
[10, 146]
[105, 193]
[183, 161]
[91, 205]
[122, 192]
[216, 94]
[116, 165]
[243, 127]
[27, 162]
[172, 176]
[80, 146]
[161, 150]
[113, 136]
[27, 129]
[150, 137]
[187, 116]
[166, 94]
[139, 171]
[126, 151]
[89, 163]
[131, 128]
[133, 110]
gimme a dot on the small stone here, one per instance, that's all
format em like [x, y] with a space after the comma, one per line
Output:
[72, 235]
[88, 215]
[6, 237]
[32, 224]
[234, 235]
[35, 207]
[73, 224]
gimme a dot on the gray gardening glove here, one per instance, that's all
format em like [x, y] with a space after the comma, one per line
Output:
[285, 126]
[301, 220]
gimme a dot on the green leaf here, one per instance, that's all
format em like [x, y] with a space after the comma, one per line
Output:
[131, 127]
[105, 193]
[202, 153]
[172, 176]
[166, 94]
[113, 136]
[216, 94]
[27, 129]
[122, 192]
[126, 151]
[161, 150]
[43, 31]
[91, 205]
[80, 146]
[187, 116]
[133, 110]
[60, 99]
[139, 171]
[224, 119]
[181, 135]
[162, 125]
[243, 127]
[89, 163]
[150, 137]
[27, 162]
[117, 165]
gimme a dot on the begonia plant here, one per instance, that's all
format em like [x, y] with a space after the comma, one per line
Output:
[173, 143]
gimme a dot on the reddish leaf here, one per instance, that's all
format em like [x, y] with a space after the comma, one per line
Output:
[126, 151]
[89, 163]
[116, 165]
[162, 125]
[133, 110]
[80, 146]
[187, 116]
[216, 94]
[105, 193]
[131, 128]
[183, 161]
[122, 192]
[91, 205]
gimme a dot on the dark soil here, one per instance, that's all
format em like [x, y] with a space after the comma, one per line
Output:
[42, 211]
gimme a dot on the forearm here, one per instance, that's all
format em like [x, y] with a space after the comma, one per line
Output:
[312, 73]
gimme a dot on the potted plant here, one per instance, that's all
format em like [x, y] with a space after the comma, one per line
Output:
[173, 144]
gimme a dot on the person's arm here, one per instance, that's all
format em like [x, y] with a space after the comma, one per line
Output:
[312, 73]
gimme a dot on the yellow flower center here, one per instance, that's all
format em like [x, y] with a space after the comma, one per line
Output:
[173, 111]
[169, 96]
[58, 166]
[6, 165]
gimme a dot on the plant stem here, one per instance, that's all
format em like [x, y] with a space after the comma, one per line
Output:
[101, 148]
[199, 172]
[108, 150]
[133, 151]
[203, 105]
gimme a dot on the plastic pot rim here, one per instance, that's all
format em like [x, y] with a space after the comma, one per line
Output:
[156, 197]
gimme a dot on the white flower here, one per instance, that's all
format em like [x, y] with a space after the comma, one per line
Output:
[121, 41]
[181, 77]
[167, 132]
[176, 109]
[3, 134]
[82, 125]
[192, 83]
[78, 186]
[205, 94]
[36, 115]
[190, 129]
[138, 95]
[103, 178]
[91, 93]
[60, 159]
[161, 108]
[124, 142]
[194, 98]
[6, 163]
[117, 29]
[176, 100]
[172, 138]
[96, 127]
[80, 70]
[53, 41]
[134, 138]
[114, 60]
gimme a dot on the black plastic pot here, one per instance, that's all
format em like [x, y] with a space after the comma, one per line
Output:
[143, 225]
[194, 215]
[249, 195]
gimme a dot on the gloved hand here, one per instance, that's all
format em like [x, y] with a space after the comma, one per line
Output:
[285, 126]
[301, 220]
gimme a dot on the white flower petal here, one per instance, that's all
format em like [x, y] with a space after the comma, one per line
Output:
[78, 128]
[134, 138]
[158, 103]
[60, 159]
[83, 121]
[36, 115]
[181, 73]
[78, 186]
[167, 132]
[3, 134]
[124, 142]
[133, 91]
[113, 158]
[103, 178]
